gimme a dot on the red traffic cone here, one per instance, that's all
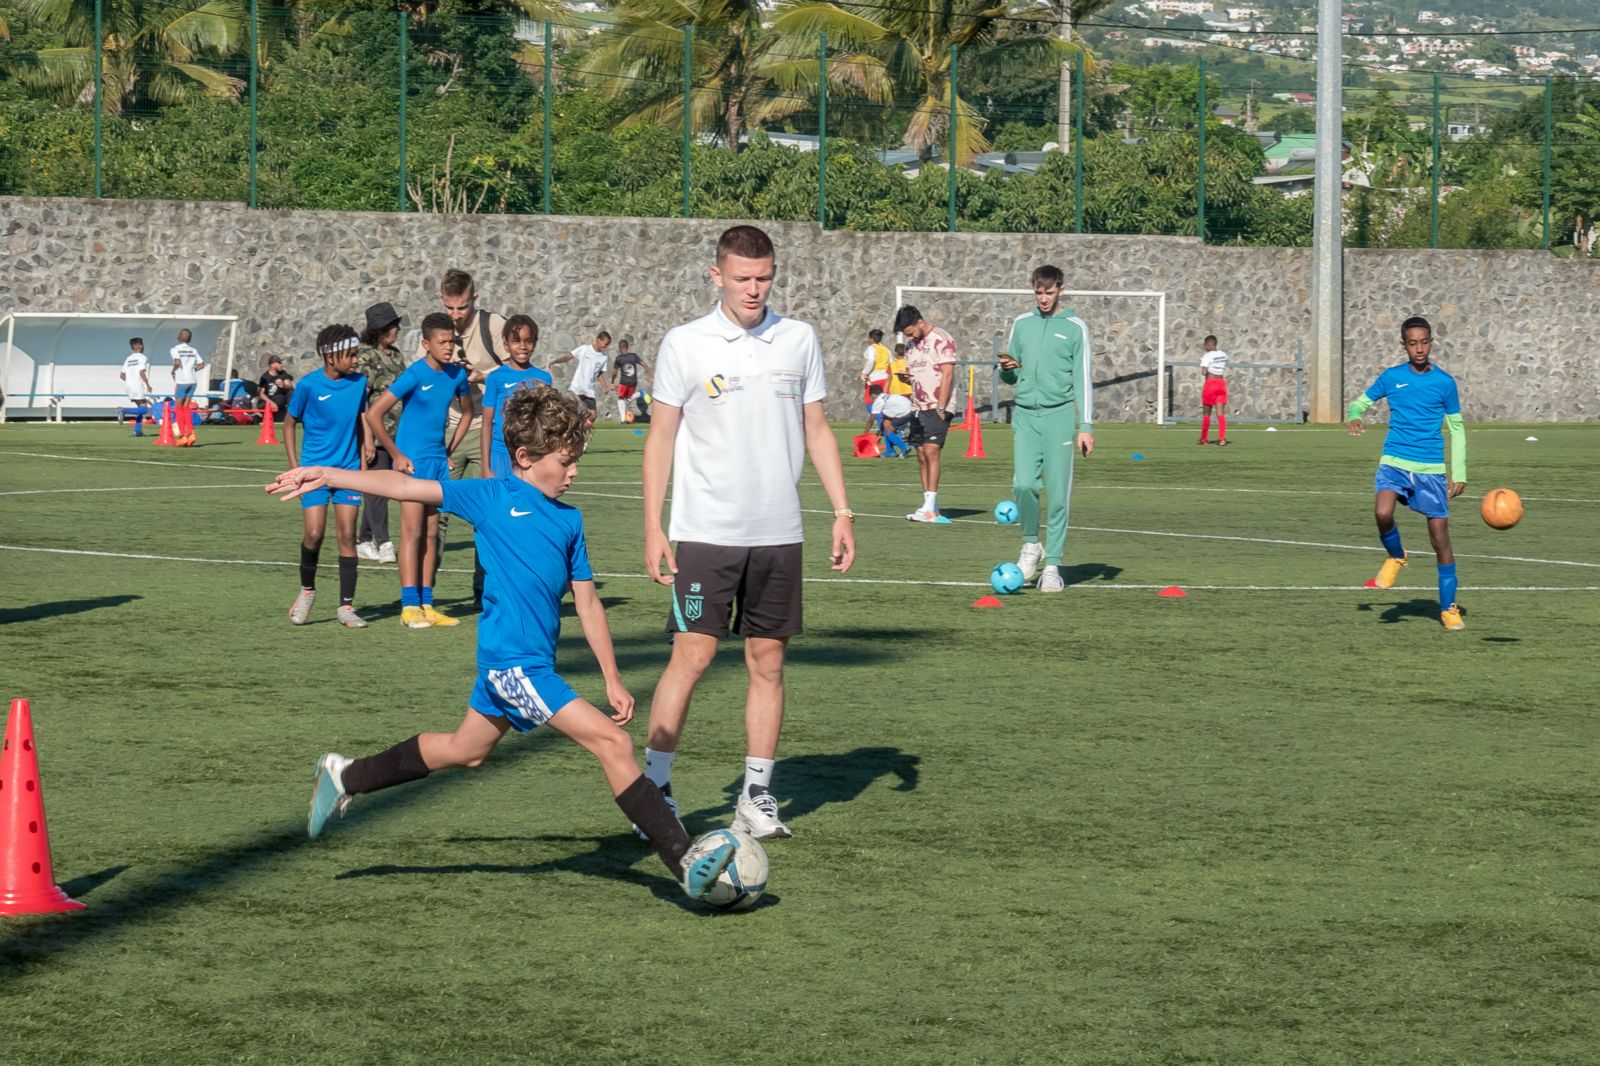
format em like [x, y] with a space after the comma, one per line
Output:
[185, 426]
[975, 442]
[27, 883]
[866, 446]
[1172, 592]
[987, 601]
[165, 439]
[970, 420]
[268, 434]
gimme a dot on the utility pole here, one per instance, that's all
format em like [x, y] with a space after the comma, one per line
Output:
[1327, 248]
[1064, 88]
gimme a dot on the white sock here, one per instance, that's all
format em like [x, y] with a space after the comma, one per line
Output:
[757, 772]
[930, 501]
[658, 766]
[622, 409]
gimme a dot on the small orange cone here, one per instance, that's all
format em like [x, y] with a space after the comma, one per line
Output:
[975, 442]
[165, 439]
[27, 883]
[1172, 592]
[1372, 583]
[867, 446]
[987, 601]
[268, 434]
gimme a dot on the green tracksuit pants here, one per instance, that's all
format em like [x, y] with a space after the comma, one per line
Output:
[1044, 443]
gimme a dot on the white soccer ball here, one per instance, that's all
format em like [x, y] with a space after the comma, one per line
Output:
[741, 884]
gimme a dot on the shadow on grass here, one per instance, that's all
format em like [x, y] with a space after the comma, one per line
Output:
[85, 885]
[1399, 612]
[36, 611]
[808, 783]
[1082, 573]
[1502, 640]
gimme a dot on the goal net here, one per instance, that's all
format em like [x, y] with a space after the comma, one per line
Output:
[67, 365]
[1127, 328]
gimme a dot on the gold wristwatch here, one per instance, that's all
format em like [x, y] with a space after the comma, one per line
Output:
[844, 512]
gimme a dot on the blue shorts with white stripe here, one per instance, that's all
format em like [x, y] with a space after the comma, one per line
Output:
[526, 697]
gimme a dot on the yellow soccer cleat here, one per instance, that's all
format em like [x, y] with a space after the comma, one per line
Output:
[414, 618]
[1389, 572]
[1450, 618]
[438, 618]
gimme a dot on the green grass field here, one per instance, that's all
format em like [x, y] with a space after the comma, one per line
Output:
[1285, 819]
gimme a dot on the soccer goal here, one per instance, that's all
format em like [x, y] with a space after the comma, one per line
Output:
[66, 364]
[1127, 328]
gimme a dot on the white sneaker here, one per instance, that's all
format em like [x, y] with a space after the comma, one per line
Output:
[1030, 559]
[386, 552]
[640, 833]
[367, 550]
[300, 610]
[1050, 580]
[922, 514]
[347, 617]
[758, 816]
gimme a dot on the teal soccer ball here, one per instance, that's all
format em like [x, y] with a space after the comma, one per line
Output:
[1006, 578]
[741, 884]
[1005, 512]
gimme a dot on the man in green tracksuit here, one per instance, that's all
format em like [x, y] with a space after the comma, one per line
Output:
[1047, 359]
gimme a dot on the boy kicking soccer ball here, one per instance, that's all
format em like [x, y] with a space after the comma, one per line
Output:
[1422, 398]
[533, 548]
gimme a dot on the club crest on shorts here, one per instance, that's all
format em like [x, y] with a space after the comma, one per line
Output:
[694, 607]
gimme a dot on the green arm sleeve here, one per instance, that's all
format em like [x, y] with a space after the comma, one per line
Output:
[1357, 408]
[1458, 447]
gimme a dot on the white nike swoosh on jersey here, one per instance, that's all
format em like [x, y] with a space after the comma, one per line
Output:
[519, 514]
[425, 388]
[1403, 385]
[327, 396]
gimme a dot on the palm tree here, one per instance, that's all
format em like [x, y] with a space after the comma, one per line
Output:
[744, 75]
[916, 41]
[152, 51]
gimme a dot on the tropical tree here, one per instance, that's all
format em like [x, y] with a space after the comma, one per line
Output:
[916, 44]
[743, 75]
[1068, 14]
[153, 53]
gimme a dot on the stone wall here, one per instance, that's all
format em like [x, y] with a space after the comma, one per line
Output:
[1519, 329]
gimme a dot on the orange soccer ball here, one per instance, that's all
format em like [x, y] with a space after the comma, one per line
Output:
[1501, 509]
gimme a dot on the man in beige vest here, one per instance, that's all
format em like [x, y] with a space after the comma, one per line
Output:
[480, 348]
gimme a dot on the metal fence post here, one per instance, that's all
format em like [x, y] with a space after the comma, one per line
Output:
[1549, 108]
[1077, 146]
[1200, 191]
[99, 94]
[822, 129]
[254, 61]
[688, 89]
[955, 53]
[1433, 211]
[544, 167]
[405, 59]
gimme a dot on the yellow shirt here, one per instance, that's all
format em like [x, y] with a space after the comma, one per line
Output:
[897, 386]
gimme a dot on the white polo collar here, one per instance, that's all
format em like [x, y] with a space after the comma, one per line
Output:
[730, 330]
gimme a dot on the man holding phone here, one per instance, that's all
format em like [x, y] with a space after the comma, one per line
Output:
[1047, 359]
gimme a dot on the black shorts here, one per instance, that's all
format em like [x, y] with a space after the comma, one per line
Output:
[762, 584]
[588, 401]
[927, 427]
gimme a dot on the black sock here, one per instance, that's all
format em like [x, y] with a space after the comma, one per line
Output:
[399, 764]
[347, 580]
[308, 566]
[647, 808]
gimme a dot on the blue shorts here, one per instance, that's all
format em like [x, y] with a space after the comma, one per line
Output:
[431, 469]
[184, 392]
[525, 697]
[1426, 494]
[319, 498]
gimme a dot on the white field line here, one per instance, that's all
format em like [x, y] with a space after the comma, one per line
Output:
[1106, 586]
[147, 462]
[129, 488]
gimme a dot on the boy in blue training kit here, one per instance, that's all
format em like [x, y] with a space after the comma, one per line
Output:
[427, 389]
[1422, 400]
[520, 334]
[533, 550]
[329, 403]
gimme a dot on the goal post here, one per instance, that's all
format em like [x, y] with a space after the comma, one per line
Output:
[58, 363]
[1128, 349]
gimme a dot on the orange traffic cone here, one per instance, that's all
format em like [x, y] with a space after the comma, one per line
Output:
[970, 420]
[268, 434]
[165, 439]
[866, 446]
[27, 883]
[975, 442]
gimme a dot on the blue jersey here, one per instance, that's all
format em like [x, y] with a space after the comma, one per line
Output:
[497, 388]
[532, 548]
[1418, 404]
[328, 409]
[427, 394]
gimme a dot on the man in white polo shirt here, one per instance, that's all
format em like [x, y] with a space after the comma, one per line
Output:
[738, 401]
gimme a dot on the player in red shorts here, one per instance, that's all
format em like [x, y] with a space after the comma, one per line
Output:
[1214, 392]
[625, 373]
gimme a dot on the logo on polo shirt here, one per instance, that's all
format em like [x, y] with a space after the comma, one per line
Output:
[719, 386]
